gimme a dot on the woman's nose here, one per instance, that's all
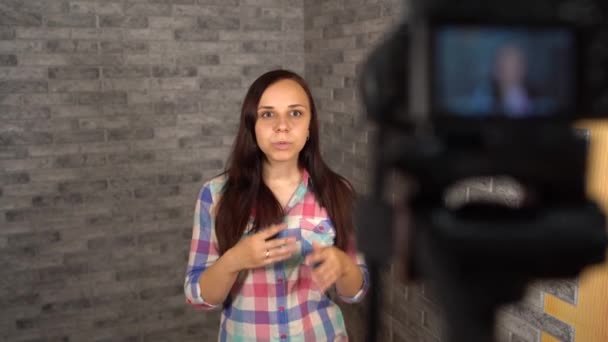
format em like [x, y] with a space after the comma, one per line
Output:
[282, 124]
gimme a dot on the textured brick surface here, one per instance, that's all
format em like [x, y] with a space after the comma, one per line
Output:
[332, 30]
[113, 114]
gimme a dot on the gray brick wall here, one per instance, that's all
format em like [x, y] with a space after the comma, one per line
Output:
[112, 115]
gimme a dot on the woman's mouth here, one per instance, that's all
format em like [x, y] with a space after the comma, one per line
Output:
[281, 145]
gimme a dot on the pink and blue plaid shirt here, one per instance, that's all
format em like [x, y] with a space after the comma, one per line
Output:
[278, 302]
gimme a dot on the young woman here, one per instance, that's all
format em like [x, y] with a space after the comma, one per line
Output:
[274, 232]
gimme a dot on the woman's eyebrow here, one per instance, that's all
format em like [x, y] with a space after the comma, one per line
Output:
[290, 106]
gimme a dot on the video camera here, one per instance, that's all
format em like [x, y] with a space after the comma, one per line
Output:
[465, 89]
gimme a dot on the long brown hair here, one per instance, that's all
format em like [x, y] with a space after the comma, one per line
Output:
[245, 189]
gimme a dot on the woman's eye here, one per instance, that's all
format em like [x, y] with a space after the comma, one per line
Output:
[266, 114]
[296, 113]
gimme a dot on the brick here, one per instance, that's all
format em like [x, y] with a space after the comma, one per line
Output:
[148, 34]
[104, 147]
[24, 113]
[128, 157]
[111, 242]
[172, 22]
[97, 7]
[126, 72]
[33, 239]
[262, 3]
[198, 142]
[71, 20]
[62, 273]
[110, 97]
[7, 33]
[263, 46]
[17, 46]
[124, 47]
[46, 99]
[42, 33]
[565, 290]
[79, 160]
[10, 16]
[149, 59]
[39, 6]
[193, 177]
[165, 71]
[543, 321]
[14, 178]
[106, 33]
[71, 46]
[64, 86]
[96, 59]
[196, 35]
[11, 153]
[81, 136]
[20, 86]
[73, 73]
[248, 59]
[157, 192]
[218, 23]
[205, 11]
[123, 21]
[220, 83]
[8, 60]
[130, 134]
[161, 120]
[198, 59]
[57, 200]
[82, 186]
[25, 138]
[176, 83]
[125, 84]
[517, 326]
[262, 25]
[47, 126]
[74, 111]
[51, 150]
[147, 9]
[44, 59]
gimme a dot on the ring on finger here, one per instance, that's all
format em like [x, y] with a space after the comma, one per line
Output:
[267, 253]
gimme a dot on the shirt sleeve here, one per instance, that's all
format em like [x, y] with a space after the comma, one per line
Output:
[359, 260]
[204, 250]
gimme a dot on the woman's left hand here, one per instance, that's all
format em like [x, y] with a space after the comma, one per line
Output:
[331, 262]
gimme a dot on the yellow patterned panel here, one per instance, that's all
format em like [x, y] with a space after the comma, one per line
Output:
[590, 316]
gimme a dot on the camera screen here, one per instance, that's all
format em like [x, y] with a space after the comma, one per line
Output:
[481, 71]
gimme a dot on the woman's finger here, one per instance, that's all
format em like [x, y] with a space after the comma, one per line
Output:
[276, 243]
[279, 254]
[271, 230]
[315, 257]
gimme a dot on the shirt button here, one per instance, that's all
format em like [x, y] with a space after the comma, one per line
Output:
[321, 228]
[280, 280]
[283, 336]
[281, 308]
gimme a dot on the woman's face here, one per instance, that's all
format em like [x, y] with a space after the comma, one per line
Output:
[283, 119]
[511, 66]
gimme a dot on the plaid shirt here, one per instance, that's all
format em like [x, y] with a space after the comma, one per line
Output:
[277, 302]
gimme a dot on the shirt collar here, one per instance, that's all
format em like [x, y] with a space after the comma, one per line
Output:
[300, 192]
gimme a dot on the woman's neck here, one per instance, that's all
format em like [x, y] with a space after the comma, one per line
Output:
[281, 172]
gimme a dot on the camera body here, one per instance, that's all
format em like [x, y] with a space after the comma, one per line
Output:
[462, 91]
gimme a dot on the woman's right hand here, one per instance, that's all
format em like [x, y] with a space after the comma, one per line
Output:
[259, 250]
